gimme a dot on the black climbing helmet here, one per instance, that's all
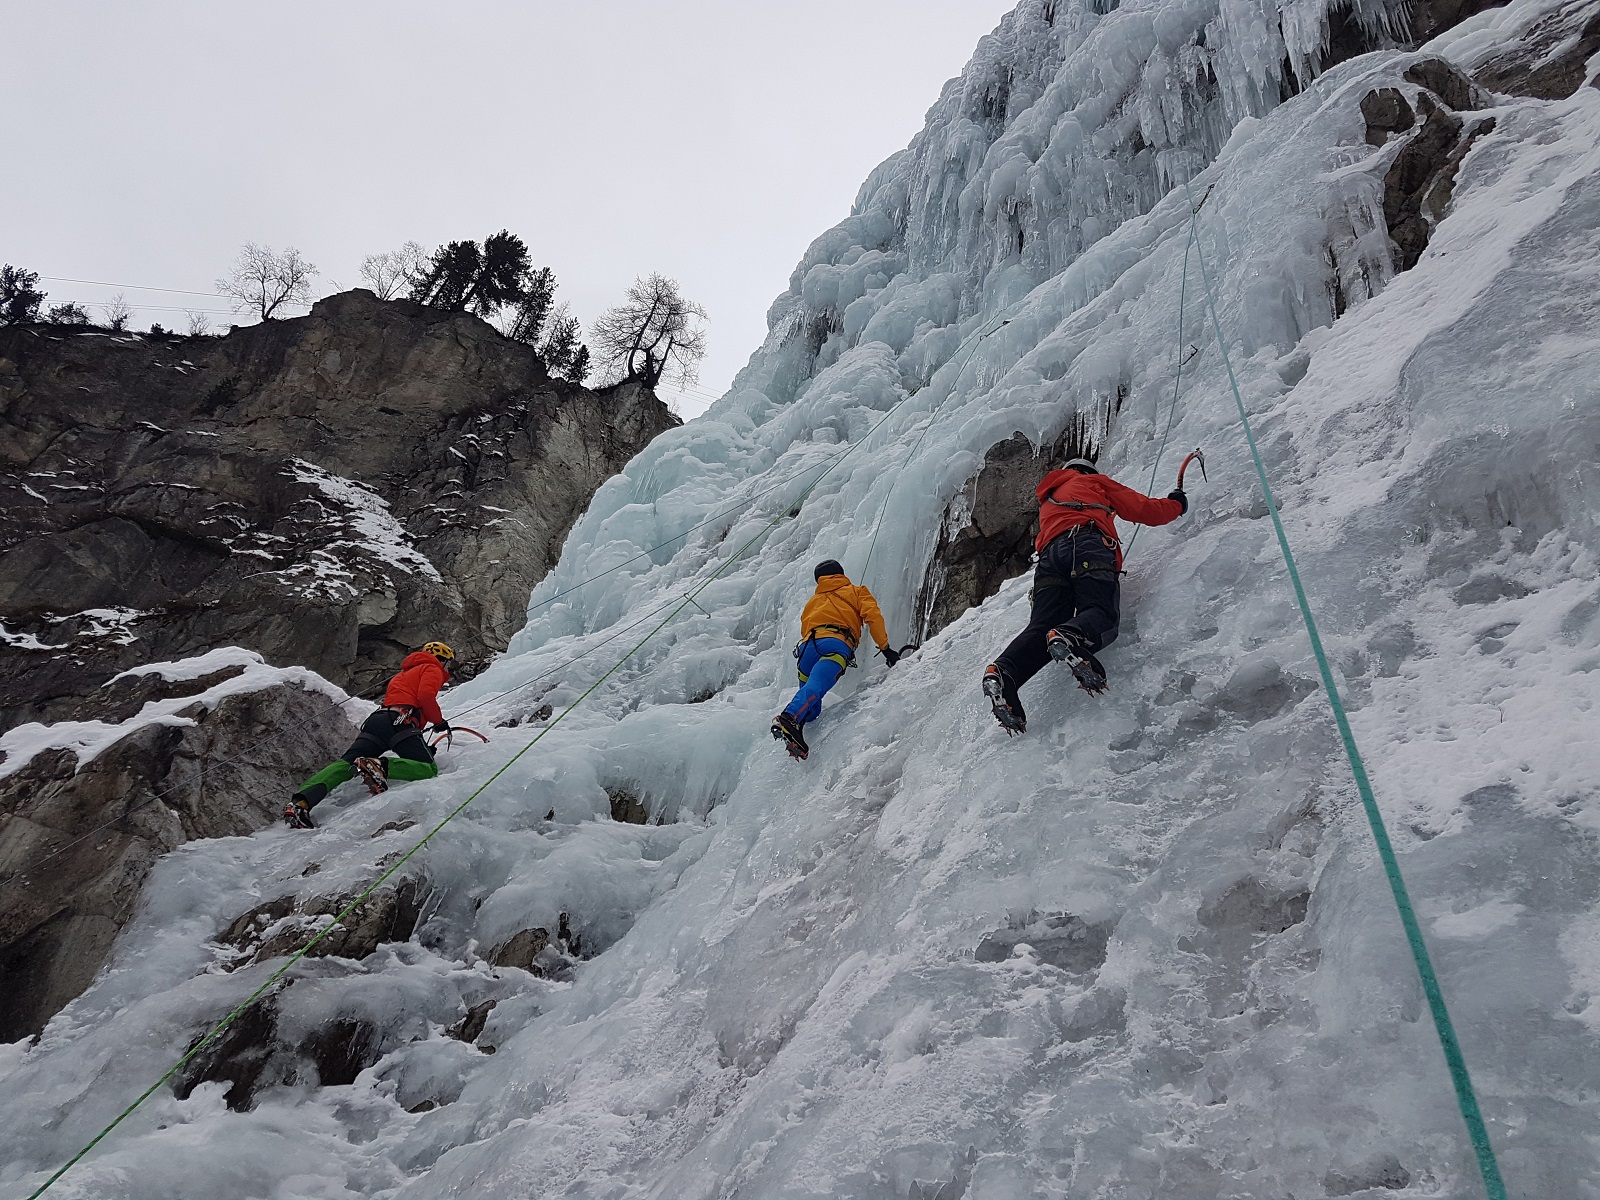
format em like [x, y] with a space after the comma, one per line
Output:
[828, 566]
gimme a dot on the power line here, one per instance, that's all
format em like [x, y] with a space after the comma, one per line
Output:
[210, 312]
[138, 287]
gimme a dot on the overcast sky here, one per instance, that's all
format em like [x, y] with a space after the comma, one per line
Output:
[710, 140]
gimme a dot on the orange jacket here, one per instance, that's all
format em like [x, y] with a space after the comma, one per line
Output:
[1102, 497]
[844, 605]
[417, 686]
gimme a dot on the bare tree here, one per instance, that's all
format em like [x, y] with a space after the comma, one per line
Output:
[652, 334]
[117, 312]
[394, 271]
[265, 279]
[199, 323]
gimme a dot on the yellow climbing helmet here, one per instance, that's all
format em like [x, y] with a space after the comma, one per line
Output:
[439, 650]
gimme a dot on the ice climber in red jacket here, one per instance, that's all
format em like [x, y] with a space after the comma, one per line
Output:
[410, 705]
[1076, 596]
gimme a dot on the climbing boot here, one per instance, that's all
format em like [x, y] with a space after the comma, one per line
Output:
[788, 731]
[374, 773]
[1091, 676]
[1003, 697]
[1070, 647]
[297, 814]
[1058, 644]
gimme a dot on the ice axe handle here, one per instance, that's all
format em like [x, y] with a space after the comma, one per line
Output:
[1196, 456]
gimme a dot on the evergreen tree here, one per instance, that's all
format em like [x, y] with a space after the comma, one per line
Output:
[20, 296]
[498, 282]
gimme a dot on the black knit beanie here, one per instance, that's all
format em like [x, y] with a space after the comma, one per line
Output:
[828, 567]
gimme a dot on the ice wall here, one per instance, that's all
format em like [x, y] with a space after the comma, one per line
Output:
[1144, 951]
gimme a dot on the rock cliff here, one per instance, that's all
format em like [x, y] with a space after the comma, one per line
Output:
[328, 491]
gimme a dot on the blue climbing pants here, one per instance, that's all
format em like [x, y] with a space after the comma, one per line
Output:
[822, 661]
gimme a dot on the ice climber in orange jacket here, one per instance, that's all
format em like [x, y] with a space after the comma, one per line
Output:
[410, 705]
[1076, 596]
[830, 631]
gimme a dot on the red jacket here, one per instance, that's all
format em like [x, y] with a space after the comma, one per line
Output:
[1101, 497]
[417, 686]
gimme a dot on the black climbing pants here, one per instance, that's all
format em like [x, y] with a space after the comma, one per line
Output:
[1074, 587]
[383, 730]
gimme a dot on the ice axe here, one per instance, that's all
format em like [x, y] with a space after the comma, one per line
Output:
[448, 737]
[1194, 456]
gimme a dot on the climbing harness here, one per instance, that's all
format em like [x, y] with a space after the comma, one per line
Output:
[405, 714]
[344, 913]
[845, 661]
[1082, 568]
[850, 639]
[1466, 1096]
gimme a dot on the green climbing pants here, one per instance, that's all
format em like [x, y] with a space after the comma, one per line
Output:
[383, 730]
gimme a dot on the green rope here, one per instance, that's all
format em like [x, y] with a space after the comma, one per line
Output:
[222, 1025]
[1466, 1097]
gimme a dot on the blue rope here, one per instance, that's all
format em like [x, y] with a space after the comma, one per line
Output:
[1466, 1097]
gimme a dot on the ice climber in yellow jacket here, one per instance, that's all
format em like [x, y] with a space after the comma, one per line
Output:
[830, 631]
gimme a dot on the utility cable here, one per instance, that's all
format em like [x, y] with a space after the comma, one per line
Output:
[878, 525]
[217, 1029]
[1466, 1096]
[1177, 377]
[137, 287]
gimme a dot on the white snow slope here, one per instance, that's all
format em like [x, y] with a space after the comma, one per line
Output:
[1145, 950]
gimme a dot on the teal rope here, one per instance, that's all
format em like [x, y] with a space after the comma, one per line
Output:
[1466, 1097]
[220, 1026]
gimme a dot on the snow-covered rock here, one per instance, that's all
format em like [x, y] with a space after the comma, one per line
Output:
[1147, 949]
[206, 747]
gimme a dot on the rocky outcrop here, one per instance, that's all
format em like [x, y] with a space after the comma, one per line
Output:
[987, 533]
[1421, 176]
[283, 925]
[331, 490]
[1550, 62]
[81, 828]
[256, 1053]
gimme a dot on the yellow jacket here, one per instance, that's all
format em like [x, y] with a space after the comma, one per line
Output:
[844, 606]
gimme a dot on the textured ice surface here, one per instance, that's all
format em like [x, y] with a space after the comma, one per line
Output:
[1143, 951]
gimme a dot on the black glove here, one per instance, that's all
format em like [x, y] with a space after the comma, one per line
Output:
[890, 655]
[1183, 501]
[441, 727]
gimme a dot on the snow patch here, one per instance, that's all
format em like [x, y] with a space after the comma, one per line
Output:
[88, 739]
[375, 530]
